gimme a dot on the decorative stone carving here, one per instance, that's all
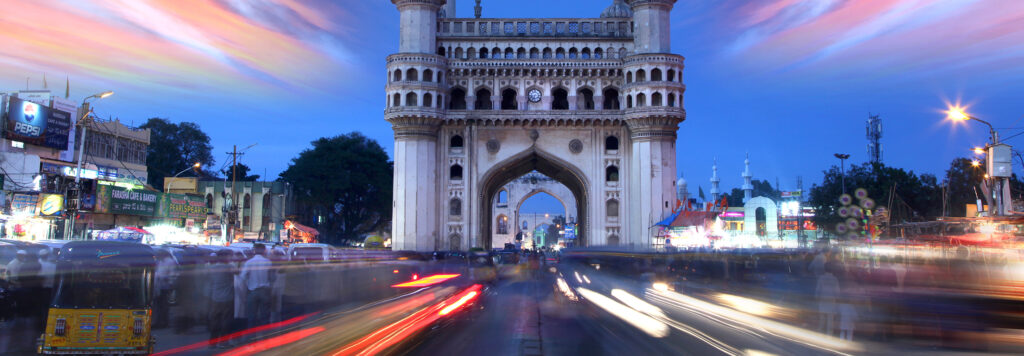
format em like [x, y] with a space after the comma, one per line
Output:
[493, 146]
[575, 146]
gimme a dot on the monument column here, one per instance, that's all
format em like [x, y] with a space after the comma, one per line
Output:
[414, 212]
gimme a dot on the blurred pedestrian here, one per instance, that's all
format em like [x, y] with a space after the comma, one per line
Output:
[827, 292]
[258, 278]
[48, 273]
[221, 276]
[23, 274]
[165, 274]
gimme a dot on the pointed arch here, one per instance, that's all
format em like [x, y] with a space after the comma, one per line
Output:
[611, 98]
[483, 99]
[458, 99]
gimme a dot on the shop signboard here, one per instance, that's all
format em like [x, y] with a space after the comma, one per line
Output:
[36, 124]
[24, 203]
[182, 206]
[116, 200]
[71, 107]
[51, 204]
[212, 222]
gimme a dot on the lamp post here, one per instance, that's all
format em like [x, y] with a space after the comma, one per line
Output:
[84, 121]
[956, 113]
[193, 166]
[842, 169]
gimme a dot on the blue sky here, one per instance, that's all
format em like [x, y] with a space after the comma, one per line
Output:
[789, 81]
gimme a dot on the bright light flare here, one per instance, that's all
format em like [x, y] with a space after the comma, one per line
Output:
[748, 305]
[426, 281]
[637, 319]
[659, 286]
[956, 112]
[975, 163]
[636, 303]
[459, 303]
[585, 279]
[978, 150]
[564, 288]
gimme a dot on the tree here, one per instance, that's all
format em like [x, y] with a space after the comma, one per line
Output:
[916, 197]
[241, 173]
[963, 186]
[552, 234]
[342, 185]
[174, 148]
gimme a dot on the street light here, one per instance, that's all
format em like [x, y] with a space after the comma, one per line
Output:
[84, 121]
[842, 169]
[975, 163]
[193, 166]
[978, 150]
[956, 113]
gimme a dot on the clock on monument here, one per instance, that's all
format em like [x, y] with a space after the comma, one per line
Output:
[534, 95]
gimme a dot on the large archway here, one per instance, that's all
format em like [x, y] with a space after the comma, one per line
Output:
[519, 165]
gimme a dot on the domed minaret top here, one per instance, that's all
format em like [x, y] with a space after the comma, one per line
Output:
[748, 187]
[682, 193]
[618, 9]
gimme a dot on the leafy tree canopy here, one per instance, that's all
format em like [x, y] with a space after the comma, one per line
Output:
[241, 173]
[344, 180]
[916, 197]
[174, 148]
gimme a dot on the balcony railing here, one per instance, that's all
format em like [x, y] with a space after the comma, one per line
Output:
[608, 28]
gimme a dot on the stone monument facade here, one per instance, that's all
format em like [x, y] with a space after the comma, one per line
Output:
[593, 103]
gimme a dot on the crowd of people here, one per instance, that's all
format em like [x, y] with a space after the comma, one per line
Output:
[26, 284]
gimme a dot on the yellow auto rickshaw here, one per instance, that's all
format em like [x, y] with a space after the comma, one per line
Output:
[102, 303]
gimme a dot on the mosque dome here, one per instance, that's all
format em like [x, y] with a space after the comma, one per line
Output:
[618, 9]
[681, 182]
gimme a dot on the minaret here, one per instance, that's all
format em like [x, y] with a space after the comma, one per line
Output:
[448, 10]
[714, 181]
[682, 193]
[748, 187]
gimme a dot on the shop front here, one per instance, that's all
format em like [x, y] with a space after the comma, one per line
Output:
[298, 233]
[179, 219]
[34, 216]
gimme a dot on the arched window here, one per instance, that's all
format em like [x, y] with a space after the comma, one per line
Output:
[560, 53]
[502, 224]
[534, 53]
[427, 99]
[456, 142]
[458, 99]
[503, 197]
[611, 174]
[209, 201]
[671, 75]
[440, 78]
[641, 100]
[428, 75]
[641, 76]
[598, 53]
[396, 100]
[455, 242]
[440, 102]
[585, 54]
[483, 100]
[398, 75]
[266, 205]
[471, 53]
[547, 53]
[247, 202]
[483, 53]
[459, 53]
[611, 143]
[508, 99]
[509, 54]
[440, 51]
[656, 99]
[622, 52]
[521, 53]
[671, 99]
[613, 240]
[629, 77]
[412, 74]
[585, 99]
[656, 75]
[496, 53]
[612, 207]
[455, 207]
[455, 173]
[574, 53]
[410, 99]
[611, 99]
[561, 99]
[629, 101]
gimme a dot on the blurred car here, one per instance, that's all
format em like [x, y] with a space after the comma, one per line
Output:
[482, 267]
[310, 252]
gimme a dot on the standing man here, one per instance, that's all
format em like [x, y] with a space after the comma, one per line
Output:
[258, 278]
[222, 293]
[166, 273]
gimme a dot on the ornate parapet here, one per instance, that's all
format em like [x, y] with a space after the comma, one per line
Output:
[436, 4]
[654, 123]
[637, 4]
[654, 58]
[417, 59]
[538, 118]
[536, 28]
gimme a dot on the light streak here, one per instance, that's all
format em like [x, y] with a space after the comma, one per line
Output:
[426, 281]
[277, 341]
[637, 319]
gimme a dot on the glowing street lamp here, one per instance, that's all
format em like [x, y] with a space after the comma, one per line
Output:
[978, 150]
[957, 113]
[975, 163]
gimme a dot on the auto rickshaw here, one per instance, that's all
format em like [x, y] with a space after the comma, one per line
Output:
[102, 303]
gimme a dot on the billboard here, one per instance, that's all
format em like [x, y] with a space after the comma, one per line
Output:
[51, 204]
[36, 124]
[181, 206]
[71, 107]
[116, 200]
[24, 203]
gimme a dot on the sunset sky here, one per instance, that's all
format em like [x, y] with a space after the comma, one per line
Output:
[790, 81]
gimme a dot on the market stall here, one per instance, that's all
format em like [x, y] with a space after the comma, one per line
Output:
[298, 233]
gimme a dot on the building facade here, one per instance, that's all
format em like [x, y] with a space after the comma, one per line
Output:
[262, 206]
[593, 103]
